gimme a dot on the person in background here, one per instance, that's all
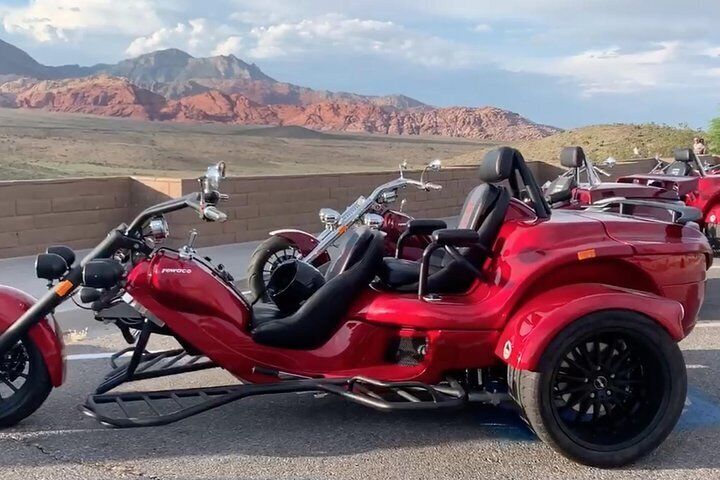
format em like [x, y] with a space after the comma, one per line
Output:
[699, 146]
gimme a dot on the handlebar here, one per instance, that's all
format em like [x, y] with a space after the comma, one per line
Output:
[423, 185]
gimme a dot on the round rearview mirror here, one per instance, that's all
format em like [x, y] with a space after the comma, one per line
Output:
[213, 176]
[435, 165]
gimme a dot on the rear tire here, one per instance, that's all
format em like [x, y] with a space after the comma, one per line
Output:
[20, 399]
[265, 259]
[609, 389]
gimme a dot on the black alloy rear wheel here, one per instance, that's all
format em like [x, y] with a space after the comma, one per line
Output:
[609, 390]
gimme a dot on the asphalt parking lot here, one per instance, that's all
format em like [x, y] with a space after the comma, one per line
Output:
[301, 436]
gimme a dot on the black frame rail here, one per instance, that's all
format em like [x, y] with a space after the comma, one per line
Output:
[116, 409]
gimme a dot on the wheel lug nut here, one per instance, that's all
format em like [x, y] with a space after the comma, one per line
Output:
[608, 392]
[592, 395]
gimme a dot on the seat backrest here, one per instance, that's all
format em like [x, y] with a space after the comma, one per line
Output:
[484, 211]
[682, 166]
[318, 318]
[679, 169]
[572, 157]
[352, 251]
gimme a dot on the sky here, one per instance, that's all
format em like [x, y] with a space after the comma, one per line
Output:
[566, 63]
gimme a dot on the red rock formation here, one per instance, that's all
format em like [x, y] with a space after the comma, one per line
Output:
[108, 96]
[112, 96]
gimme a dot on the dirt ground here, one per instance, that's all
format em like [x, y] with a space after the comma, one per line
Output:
[37, 144]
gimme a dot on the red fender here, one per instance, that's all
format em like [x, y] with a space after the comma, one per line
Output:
[305, 242]
[530, 330]
[46, 334]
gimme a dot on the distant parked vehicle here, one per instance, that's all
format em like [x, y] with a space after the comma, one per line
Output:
[373, 211]
[695, 182]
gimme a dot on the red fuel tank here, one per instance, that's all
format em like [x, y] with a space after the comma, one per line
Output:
[186, 294]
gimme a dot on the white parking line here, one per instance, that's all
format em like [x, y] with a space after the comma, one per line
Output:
[707, 324]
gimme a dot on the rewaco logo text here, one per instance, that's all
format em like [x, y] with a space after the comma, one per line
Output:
[176, 270]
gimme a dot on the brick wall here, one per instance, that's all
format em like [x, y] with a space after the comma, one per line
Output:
[80, 212]
[75, 212]
[259, 205]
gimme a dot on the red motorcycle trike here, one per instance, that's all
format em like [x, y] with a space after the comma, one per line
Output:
[695, 183]
[401, 237]
[581, 185]
[575, 315]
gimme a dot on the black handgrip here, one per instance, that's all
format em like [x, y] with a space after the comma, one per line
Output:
[424, 226]
[417, 227]
[461, 237]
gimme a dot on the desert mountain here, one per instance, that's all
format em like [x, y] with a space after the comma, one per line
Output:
[174, 74]
[16, 63]
[118, 97]
[175, 86]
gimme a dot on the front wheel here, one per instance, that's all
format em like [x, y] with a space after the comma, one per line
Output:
[609, 389]
[24, 382]
[265, 259]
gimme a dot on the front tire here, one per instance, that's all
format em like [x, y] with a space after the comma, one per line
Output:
[24, 382]
[266, 257]
[609, 389]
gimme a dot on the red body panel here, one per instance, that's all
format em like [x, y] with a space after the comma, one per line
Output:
[585, 195]
[699, 192]
[46, 334]
[538, 276]
[533, 327]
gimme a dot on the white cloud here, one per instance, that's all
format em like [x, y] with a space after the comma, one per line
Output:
[62, 20]
[198, 37]
[336, 33]
[230, 46]
[482, 28]
[712, 52]
[664, 65]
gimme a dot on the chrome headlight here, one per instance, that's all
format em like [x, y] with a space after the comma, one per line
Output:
[158, 229]
[329, 217]
[373, 220]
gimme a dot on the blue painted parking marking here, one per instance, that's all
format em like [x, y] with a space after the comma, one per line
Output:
[699, 411]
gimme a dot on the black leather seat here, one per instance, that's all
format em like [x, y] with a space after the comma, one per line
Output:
[484, 211]
[681, 167]
[560, 189]
[318, 318]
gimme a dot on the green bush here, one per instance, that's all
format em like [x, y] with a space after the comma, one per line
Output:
[713, 135]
